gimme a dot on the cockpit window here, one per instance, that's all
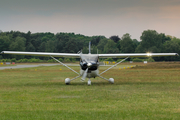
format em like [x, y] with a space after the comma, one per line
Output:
[90, 57]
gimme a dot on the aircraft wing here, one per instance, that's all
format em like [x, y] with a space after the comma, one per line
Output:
[136, 55]
[41, 54]
[100, 55]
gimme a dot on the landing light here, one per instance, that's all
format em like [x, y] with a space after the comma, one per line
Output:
[149, 54]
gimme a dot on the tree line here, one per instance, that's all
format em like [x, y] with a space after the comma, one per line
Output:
[151, 41]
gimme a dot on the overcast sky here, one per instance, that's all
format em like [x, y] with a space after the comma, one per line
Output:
[91, 17]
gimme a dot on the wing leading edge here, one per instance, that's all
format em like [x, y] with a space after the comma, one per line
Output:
[41, 54]
[100, 55]
[137, 55]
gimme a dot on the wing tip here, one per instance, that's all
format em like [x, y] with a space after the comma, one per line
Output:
[2, 52]
[177, 54]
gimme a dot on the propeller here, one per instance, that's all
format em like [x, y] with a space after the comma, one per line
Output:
[88, 66]
[84, 75]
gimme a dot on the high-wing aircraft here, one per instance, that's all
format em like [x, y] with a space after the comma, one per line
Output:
[89, 63]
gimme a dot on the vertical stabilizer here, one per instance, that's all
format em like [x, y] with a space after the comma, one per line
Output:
[89, 47]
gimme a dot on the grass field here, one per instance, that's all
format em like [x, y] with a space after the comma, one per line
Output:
[144, 92]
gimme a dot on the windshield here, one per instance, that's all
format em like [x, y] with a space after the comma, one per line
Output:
[90, 57]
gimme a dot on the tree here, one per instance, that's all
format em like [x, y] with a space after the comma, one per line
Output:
[71, 46]
[60, 42]
[4, 43]
[115, 38]
[171, 47]
[151, 38]
[164, 37]
[42, 47]
[18, 45]
[110, 47]
[151, 41]
[94, 49]
[118, 45]
[139, 49]
[135, 43]
[95, 40]
[36, 43]
[177, 40]
[101, 45]
[50, 46]
[127, 45]
[30, 48]
[28, 38]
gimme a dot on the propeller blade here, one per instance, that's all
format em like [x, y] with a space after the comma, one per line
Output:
[84, 75]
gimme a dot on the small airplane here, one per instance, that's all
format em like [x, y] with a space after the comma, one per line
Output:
[89, 63]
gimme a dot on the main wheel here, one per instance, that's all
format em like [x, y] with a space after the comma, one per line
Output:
[111, 80]
[67, 81]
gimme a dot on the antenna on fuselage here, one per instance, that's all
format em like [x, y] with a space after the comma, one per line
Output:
[80, 52]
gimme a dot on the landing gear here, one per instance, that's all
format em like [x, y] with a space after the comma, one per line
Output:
[89, 82]
[67, 81]
[111, 80]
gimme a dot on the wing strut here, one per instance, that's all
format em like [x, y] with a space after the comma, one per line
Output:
[64, 65]
[114, 65]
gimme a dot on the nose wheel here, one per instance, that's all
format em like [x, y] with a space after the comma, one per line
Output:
[89, 82]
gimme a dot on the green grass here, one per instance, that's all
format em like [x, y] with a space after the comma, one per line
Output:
[4, 65]
[144, 92]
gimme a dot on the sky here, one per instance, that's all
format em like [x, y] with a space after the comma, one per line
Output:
[91, 17]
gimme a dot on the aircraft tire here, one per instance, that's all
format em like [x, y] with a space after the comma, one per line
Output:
[111, 80]
[67, 81]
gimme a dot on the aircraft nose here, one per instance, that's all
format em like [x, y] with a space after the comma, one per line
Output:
[89, 65]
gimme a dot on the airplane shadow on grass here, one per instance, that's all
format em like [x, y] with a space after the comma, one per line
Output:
[55, 84]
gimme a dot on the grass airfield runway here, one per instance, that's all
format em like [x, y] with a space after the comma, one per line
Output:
[144, 92]
[2, 67]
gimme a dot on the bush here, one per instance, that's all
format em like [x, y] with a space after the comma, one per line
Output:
[119, 60]
[67, 60]
[109, 59]
[51, 61]
[34, 60]
[13, 60]
[24, 60]
[19, 61]
[1, 60]
[73, 60]
[60, 59]
[150, 59]
[137, 60]
[6, 60]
